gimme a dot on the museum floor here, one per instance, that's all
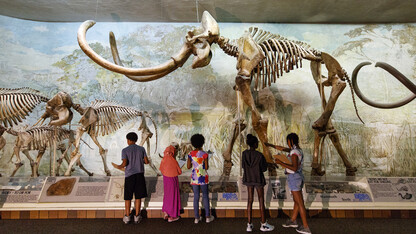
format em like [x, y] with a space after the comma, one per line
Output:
[186, 225]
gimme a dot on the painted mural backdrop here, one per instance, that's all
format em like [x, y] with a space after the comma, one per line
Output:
[46, 57]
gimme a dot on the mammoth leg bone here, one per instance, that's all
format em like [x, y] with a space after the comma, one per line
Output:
[18, 164]
[350, 170]
[35, 168]
[32, 162]
[338, 86]
[74, 158]
[336, 77]
[103, 154]
[316, 162]
[65, 156]
[259, 123]
[239, 126]
[146, 135]
[75, 155]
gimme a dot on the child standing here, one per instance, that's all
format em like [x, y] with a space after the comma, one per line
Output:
[198, 160]
[254, 164]
[170, 170]
[134, 157]
[295, 180]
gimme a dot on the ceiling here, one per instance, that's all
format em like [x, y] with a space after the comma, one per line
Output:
[253, 11]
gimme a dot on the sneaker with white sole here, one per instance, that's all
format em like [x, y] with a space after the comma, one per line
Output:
[265, 227]
[290, 223]
[302, 229]
[126, 219]
[210, 219]
[137, 219]
[197, 220]
[249, 227]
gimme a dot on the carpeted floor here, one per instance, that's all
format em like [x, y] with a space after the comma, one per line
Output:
[222, 225]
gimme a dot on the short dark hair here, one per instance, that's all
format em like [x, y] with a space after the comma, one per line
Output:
[132, 136]
[251, 140]
[293, 137]
[197, 140]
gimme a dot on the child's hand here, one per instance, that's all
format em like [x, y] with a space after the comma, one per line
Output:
[115, 165]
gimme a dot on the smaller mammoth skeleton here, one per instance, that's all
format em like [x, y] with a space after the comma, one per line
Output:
[40, 138]
[104, 118]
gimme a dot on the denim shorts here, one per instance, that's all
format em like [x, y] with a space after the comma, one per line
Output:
[295, 181]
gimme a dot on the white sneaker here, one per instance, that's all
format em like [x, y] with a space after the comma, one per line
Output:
[210, 219]
[265, 227]
[137, 219]
[126, 219]
[197, 220]
[249, 227]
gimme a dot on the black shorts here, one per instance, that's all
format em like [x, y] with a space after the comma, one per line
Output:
[135, 184]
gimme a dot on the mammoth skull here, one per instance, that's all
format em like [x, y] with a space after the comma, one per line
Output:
[58, 109]
[198, 42]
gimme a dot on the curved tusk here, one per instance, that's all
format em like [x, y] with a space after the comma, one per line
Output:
[399, 76]
[117, 60]
[150, 73]
[392, 71]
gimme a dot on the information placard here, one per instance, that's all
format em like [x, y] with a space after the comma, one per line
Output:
[333, 190]
[393, 189]
[20, 189]
[75, 189]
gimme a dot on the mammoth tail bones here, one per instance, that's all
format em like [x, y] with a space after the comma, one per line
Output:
[262, 57]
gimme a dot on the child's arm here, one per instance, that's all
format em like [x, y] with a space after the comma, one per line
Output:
[189, 163]
[293, 166]
[121, 166]
[178, 168]
[281, 148]
[146, 160]
[206, 163]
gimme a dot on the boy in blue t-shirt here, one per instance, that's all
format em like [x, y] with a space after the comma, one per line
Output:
[134, 157]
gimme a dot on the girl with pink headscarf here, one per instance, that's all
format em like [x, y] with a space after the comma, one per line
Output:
[170, 170]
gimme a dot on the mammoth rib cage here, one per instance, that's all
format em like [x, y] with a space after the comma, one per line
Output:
[44, 136]
[111, 117]
[280, 56]
[16, 106]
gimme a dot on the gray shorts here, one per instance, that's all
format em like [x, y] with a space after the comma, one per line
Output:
[295, 181]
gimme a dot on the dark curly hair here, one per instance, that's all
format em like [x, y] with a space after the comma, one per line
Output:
[293, 137]
[132, 136]
[197, 140]
[251, 140]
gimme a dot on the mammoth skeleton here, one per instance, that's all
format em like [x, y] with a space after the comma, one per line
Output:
[262, 57]
[101, 117]
[39, 139]
[104, 118]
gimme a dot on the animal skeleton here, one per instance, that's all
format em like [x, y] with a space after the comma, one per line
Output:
[16, 104]
[103, 117]
[40, 138]
[262, 57]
